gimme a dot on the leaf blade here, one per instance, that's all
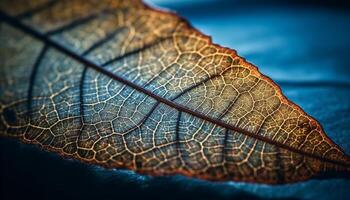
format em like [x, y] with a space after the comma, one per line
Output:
[255, 139]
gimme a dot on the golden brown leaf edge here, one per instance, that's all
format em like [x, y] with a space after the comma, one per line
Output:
[122, 85]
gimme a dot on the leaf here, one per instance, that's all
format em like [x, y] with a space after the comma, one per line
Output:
[123, 85]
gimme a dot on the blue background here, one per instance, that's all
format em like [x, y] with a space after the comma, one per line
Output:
[304, 46]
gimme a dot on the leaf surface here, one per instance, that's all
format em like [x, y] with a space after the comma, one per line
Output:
[123, 85]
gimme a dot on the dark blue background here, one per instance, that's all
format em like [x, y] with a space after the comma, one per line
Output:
[302, 45]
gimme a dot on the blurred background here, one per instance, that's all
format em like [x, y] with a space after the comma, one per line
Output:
[288, 40]
[304, 46]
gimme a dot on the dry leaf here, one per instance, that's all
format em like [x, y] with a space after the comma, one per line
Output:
[121, 85]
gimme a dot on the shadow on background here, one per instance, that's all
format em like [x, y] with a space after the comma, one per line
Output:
[28, 172]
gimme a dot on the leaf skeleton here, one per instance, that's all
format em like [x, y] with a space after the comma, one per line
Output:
[122, 85]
